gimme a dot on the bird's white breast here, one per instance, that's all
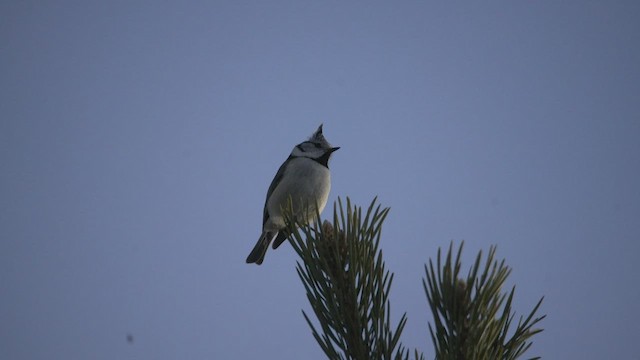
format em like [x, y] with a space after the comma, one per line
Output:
[307, 183]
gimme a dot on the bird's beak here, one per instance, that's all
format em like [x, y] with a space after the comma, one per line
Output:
[335, 148]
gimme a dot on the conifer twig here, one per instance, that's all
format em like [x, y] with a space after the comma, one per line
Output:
[472, 316]
[348, 285]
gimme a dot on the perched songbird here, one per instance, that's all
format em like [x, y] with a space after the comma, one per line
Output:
[305, 180]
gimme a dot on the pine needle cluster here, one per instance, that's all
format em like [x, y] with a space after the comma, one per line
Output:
[472, 316]
[348, 285]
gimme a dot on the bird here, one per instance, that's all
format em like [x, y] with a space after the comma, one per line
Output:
[305, 180]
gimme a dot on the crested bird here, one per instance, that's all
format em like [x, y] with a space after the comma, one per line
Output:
[304, 180]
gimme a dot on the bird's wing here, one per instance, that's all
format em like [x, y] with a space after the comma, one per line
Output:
[272, 187]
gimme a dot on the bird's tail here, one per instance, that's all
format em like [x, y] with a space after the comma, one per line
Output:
[257, 254]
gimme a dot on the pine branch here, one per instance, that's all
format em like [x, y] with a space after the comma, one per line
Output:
[472, 317]
[348, 285]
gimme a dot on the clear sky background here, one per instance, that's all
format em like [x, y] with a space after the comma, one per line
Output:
[138, 139]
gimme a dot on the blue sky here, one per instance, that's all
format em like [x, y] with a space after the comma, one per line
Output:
[138, 139]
